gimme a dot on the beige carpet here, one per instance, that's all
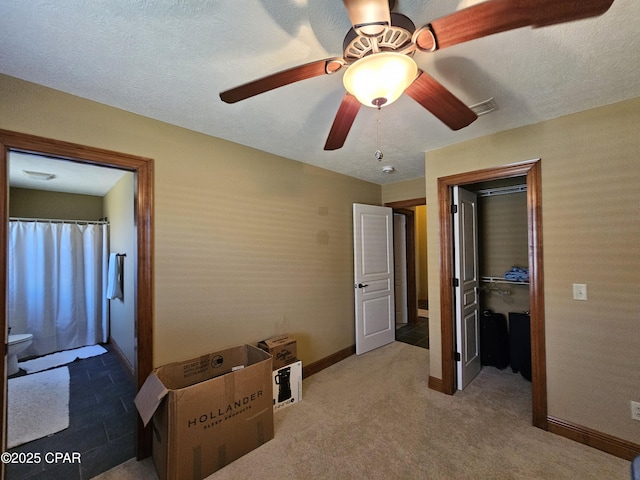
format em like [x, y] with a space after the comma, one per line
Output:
[373, 416]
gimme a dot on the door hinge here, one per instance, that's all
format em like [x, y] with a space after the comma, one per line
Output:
[456, 282]
[456, 356]
[454, 208]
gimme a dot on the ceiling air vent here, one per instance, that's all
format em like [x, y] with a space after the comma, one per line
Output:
[485, 107]
[39, 175]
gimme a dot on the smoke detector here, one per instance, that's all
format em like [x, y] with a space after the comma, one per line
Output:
[388, 169]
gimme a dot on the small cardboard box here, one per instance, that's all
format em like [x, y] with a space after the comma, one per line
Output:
[282, 348]
[208, 411]
[287, 385]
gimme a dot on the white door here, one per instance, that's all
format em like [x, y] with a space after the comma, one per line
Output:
[400, 270]
[465, 224]
[373, 276]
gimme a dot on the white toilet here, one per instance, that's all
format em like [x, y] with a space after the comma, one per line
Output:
[17, 343]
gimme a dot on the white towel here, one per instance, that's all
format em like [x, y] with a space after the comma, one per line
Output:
[114, 278]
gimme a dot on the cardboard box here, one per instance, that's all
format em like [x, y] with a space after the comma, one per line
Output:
[282, 348]
[208, 411]
[287, 386]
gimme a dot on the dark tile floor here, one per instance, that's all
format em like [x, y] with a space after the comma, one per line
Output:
[417, 334]
[102, 419]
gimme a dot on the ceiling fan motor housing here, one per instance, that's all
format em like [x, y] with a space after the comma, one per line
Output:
[392, 39]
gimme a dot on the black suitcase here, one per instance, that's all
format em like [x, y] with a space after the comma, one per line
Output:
[494, 340]
[520, 343]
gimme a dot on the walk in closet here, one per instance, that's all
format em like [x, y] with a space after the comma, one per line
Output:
[503, 266]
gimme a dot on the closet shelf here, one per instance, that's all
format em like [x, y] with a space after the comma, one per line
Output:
[502, 280]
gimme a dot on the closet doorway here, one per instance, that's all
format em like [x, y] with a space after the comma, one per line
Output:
[492, 291]
[143, 186]
[531, 171]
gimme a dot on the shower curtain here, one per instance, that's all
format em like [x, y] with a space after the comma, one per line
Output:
[57, 282]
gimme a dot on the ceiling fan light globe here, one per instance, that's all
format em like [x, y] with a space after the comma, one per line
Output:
[383, 75]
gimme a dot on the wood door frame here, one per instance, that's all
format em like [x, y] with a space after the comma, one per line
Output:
[532, 170]
[143, 218]
[402, 207]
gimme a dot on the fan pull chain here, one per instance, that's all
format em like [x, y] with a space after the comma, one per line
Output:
[378, 153]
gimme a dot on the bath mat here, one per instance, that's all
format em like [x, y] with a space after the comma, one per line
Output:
[37, 406]
[61, 358]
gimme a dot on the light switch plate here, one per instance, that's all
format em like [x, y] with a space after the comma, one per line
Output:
[579, 291]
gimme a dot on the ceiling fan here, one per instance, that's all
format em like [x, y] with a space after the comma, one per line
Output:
[378, 53]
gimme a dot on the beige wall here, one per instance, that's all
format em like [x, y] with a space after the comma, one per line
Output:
[119, 209]
[502, 233]
[24, 202]
[407, 190]
[591, 228]
[247, 244]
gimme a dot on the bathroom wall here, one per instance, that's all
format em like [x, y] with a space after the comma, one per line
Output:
[119, 209]
[29, 203]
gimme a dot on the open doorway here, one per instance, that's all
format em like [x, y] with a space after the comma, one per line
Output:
[410, 254]
[71, 326]
[142, 168]
[492, 282]
[531, 171]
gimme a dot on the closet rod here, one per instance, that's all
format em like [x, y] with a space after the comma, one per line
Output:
[57, 220]
[490, 192]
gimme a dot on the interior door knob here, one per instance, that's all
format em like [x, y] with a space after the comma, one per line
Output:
[360, 285]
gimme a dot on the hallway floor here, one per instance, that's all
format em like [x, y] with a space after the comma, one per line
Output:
[102, 419]
[417, 334]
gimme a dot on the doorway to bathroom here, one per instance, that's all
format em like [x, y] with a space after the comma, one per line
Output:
[140, 259]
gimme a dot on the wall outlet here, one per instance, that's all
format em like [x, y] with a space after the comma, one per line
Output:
[635, 410]
[579, 291]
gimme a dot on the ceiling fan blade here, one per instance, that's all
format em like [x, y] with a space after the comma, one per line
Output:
[347, 112]
[368, 17]
[280, 79]
[551, 12]
[496, 16]
[433, 96]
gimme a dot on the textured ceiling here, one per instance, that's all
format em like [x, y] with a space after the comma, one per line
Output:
[66, 176]
[169, 59]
